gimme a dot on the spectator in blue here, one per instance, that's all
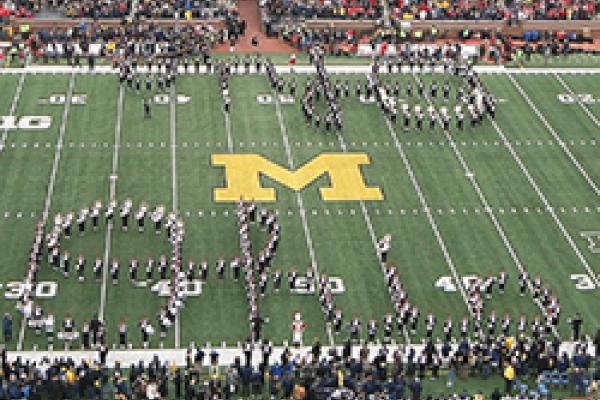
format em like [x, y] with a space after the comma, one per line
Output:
[288, 386]
[14, 391]
[370, 387]
[276, 371]
[257, 383]
[7, 325]
[245, 376]
[577, 380]
[416, 388]
[451, 373]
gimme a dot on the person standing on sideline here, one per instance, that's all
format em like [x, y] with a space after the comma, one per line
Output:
[509, 377]
[7, 326]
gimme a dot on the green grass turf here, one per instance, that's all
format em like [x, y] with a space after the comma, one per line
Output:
[569, 61]
[339, 233]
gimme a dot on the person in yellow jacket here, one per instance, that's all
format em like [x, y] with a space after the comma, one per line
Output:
[509, 377]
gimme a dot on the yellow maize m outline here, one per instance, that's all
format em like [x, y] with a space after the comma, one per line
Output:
[243, 171]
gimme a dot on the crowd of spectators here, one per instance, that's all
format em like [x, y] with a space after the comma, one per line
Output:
[179, 9]
[18, 8]
[137, 39]
[349, 371]
[494, 10]
[435, 9]
[330, 9]
[277, 10]
[67, 8]
[93, 9]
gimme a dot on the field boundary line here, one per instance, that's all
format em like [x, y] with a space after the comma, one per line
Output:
[52, 179]
[307, 235]
[13, 110]
[486, 205]
[577, 100]
[112, 195]
[542, 197]
[562, 144]
[297, 69]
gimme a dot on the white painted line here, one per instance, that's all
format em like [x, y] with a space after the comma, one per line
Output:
[556, 136]
[112, 195]
[173, 102]
[551, 211]
[228, 130]
[307, 235]
[427, 209]
[52, 180]
[486, 205]
[298, 69]
[576, 98]
[13, 109]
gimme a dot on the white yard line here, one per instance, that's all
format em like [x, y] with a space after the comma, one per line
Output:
[307, 235]
[52, 181]
[228, 130]
[549, 208]
[486, 205]
[430, 218]
[58, 151]
[173, 121]
[568, 89]
[112, 195]
[558, 139]
[13, 109]
[369, 224]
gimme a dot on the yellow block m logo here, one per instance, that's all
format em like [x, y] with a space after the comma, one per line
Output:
[242, 172]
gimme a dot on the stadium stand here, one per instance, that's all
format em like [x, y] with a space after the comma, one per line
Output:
[489, 10]
[197, 9]
[339, 9]
[529, 369]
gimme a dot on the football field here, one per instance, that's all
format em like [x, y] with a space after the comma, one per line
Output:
[517, 192]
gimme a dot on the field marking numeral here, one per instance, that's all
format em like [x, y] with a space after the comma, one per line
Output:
[592, 237]
[191, 288]
[43, 290]
[585, 98]
[303, 286]
[61, 99]
[583, 282]
[164, 99]
[448, 285]
[33, 122]
[268, 99]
